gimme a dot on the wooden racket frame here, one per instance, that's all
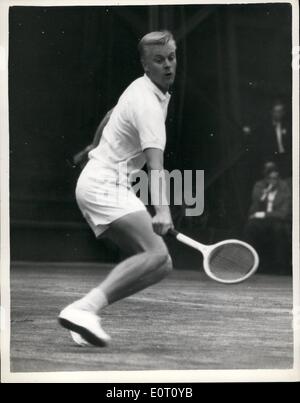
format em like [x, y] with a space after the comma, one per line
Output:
[207, 250]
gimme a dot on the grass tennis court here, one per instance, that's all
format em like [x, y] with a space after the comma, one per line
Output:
[185, 322]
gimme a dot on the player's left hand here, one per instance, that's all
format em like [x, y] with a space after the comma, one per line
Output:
[81, 158]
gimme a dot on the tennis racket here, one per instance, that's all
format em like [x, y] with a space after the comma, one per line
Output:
[228, 262]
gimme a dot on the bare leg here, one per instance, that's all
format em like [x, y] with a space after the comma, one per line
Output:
[149, 261]
[148, 265]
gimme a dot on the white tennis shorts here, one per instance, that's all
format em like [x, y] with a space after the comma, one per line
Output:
[101, 199]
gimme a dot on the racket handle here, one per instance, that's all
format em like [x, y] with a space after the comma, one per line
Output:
[173, 232]
[187, 240]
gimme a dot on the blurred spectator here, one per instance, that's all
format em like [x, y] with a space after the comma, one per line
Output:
[274, 139]
[269, 223]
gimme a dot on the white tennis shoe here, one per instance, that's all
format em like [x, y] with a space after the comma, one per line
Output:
[85, 324]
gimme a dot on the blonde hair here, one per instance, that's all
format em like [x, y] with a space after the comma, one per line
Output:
[155, 38]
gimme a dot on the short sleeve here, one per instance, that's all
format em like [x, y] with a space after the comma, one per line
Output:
[148, 119]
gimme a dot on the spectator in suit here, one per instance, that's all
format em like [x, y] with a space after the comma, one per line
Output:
[275, 140]
[269, 220]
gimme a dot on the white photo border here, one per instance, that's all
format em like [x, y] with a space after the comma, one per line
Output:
[159, 376]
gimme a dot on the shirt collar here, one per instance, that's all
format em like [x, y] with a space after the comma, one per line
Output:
[156, 90]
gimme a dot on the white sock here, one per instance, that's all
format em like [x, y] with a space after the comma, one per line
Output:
[93, 301]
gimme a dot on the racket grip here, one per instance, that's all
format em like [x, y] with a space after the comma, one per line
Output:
[173, 232]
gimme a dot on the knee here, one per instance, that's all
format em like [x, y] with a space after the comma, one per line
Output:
[163, 261]
[168, 266]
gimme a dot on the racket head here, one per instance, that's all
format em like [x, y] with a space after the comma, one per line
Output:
[231, 261]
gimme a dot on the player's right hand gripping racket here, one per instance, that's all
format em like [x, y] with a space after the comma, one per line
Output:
[228, 262]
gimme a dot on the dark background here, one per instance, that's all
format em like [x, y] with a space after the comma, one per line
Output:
[69, 65]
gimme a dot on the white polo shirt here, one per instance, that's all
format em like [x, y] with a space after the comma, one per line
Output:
[136, 123]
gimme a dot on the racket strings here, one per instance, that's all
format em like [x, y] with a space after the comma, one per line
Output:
[231, 261]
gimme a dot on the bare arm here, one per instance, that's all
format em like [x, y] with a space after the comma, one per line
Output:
[100, 128]
[162, 221]
[81, 157]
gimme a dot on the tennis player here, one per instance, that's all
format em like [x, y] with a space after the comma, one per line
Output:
[134, 135]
